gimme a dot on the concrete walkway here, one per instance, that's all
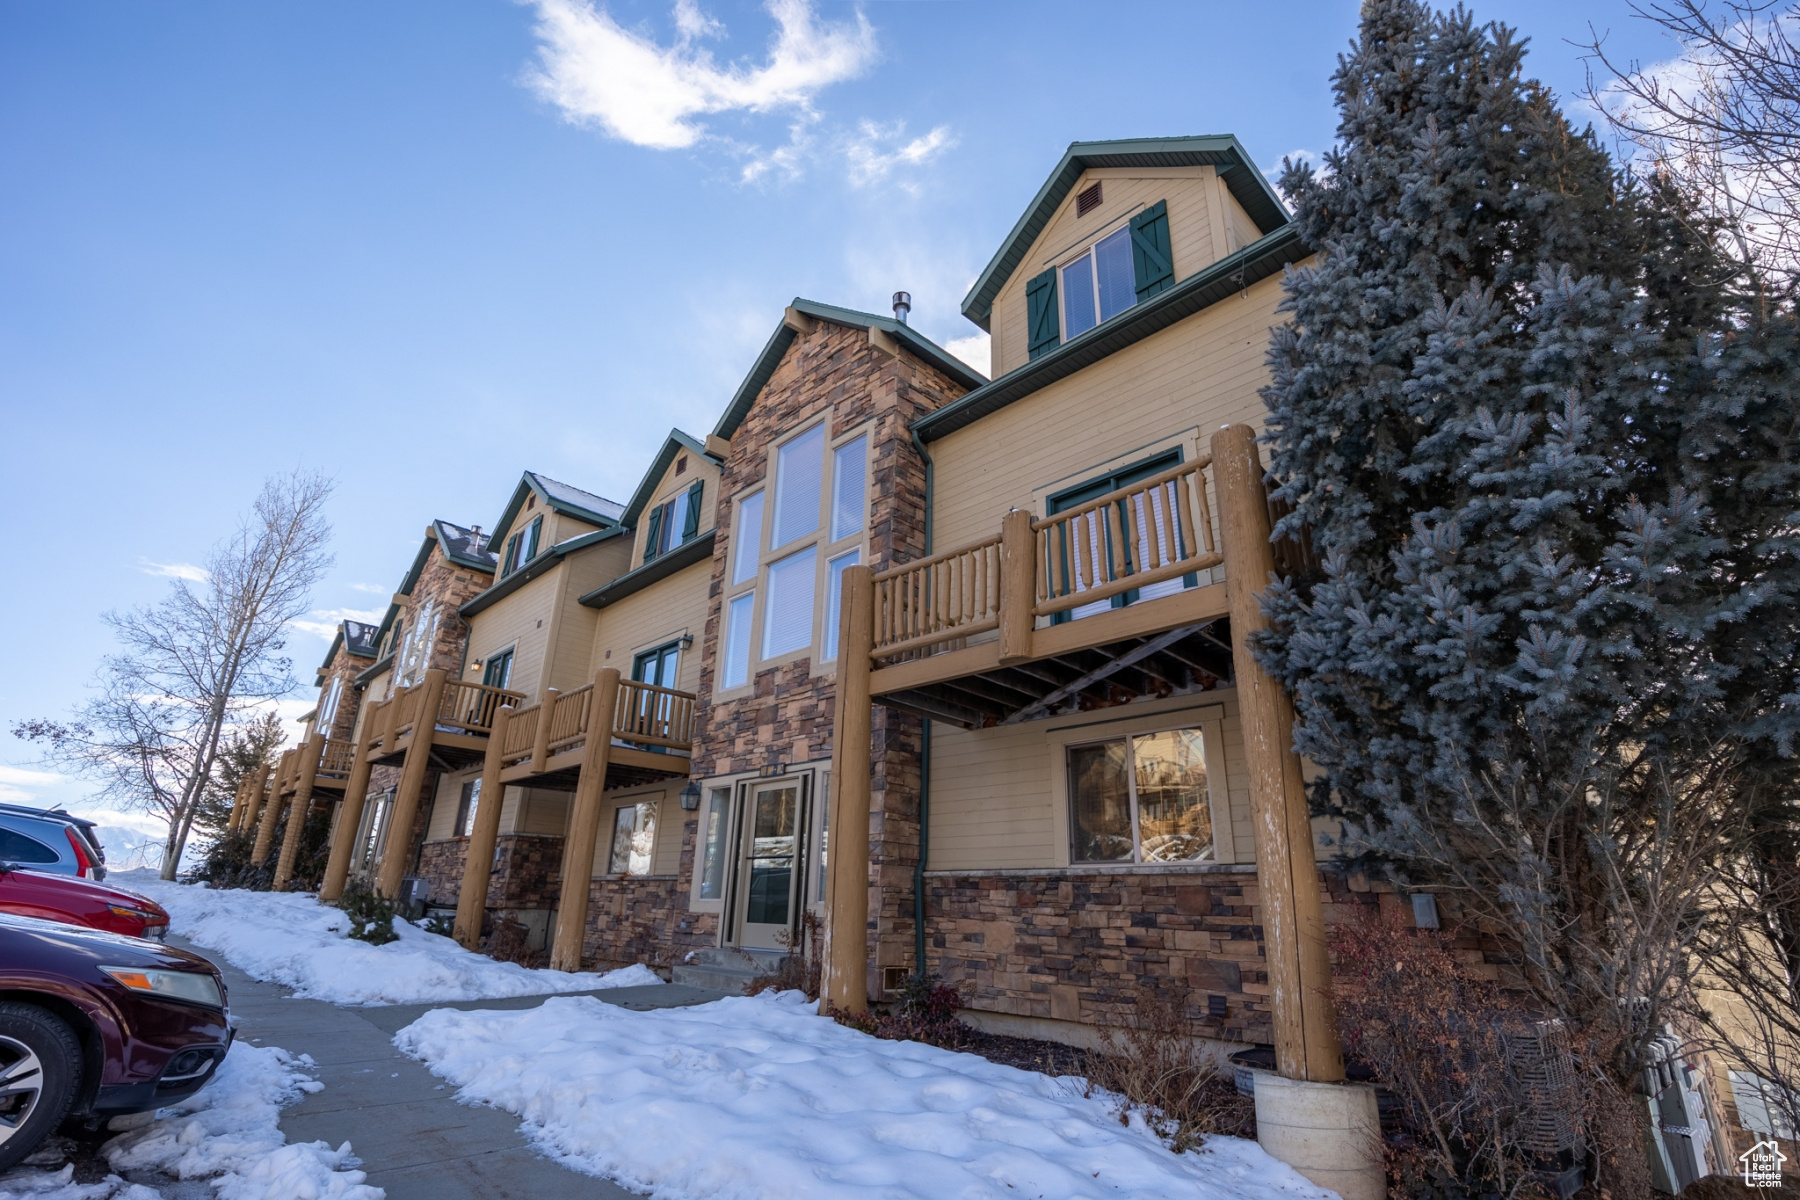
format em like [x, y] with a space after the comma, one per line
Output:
[415, 1140]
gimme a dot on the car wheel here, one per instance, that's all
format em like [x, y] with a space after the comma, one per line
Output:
[40, 1062]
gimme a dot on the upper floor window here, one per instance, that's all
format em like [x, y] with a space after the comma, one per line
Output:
[498, 669]
[415, 649]
[1104, 279]
[522, 547]
[328, 705]
[789, 552]
[673, 523]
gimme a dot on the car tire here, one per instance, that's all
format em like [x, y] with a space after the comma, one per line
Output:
[35, 1045]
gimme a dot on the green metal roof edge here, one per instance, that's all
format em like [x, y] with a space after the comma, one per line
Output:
[634, 581]
[1260, 259]
[783, 337]
[676, 441]
[545, 560]
[528, 479]
[1246, 183]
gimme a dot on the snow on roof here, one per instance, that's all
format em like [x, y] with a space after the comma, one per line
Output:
[563, 493]
[468, 544]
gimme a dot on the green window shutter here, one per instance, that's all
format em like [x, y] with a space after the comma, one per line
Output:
[655, 533]
[511, 560]
[531, 545]
[1042, 324]
[690, 524]
[1151, 260]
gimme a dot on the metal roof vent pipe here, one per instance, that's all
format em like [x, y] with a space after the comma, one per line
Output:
[902, 306]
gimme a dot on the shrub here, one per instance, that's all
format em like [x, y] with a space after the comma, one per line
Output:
[441, 923]
[226, 864]
[797, 972]
[926, 1012]
[1157, 1068]
[371, 916]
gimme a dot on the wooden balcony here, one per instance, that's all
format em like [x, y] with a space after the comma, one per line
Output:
[336, 757]
[1050, 615]
[652, 737]
[459, 733]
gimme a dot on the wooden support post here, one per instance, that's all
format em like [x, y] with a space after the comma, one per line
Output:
[356, 791]
[310, 755]
[471, 900]
[237, 805]
[1287, 872]
[846, 967]
[584, 819]
[390, 717]
[412, 779]
[271, 809]
[1018, 586]
[253, 798]
[540, 746]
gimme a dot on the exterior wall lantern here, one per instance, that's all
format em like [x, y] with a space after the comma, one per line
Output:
[690, 796]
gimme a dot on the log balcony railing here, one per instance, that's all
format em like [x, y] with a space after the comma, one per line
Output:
[990, 606]
[464, 711]
[647, 718]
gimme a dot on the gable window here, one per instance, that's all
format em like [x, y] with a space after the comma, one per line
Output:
[466, 807]
[1140, 799]
[1098, 285]
[673, 523]
[498, 669]
[1128, 265]
[522, 547]
[792, 547]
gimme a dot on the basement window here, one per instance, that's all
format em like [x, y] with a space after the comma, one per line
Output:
[1140, 799]
[634, 839]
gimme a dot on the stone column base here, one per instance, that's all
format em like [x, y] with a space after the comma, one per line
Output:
[1329, 1132]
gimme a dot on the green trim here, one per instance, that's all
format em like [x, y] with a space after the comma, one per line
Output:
[676, 442]
[783, 337]
[632, 582]
[540, 565]
[1223, 151]
[528, 482]
[1230, 275]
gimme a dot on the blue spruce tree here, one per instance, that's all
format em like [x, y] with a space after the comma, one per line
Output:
[1547, 459]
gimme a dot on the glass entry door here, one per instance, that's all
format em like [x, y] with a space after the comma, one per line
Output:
[770, 853]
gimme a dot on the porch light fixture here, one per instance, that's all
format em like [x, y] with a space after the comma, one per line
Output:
[690, 796]
[687, 641]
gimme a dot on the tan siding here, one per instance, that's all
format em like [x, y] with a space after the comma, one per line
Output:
[996, 793]
[535, 810]
[443, 810]
[698, 467]
[516, 619]
[1193, 377]
[1192, 197]
[660, 613]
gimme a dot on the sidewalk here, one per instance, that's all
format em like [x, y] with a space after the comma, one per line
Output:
[414, 1139]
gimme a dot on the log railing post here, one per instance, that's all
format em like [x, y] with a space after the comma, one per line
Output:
[584, 818]
[271, 809]
[540, 747]
[846, 967]
[1018, 586]
[1287, 873]
[310, 756]
[412, 779]
[349, 819]
[471, 900]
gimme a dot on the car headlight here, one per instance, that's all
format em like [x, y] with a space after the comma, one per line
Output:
[142, 914]
[172, 985]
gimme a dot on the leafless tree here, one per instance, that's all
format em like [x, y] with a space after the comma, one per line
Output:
[198, 662]
[1722, 118]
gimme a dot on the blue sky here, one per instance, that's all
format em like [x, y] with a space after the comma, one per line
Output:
[425, 246]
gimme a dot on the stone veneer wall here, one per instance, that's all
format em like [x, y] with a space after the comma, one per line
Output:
[441, 866]
[788, 717]
[527, 871]
[1078, 946]
[646, 919]
[344, 666]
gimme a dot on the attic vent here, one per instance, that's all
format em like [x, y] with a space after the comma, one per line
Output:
[1087, 200]
[681, 464]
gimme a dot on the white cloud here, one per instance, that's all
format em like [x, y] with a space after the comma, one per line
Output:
[976, 350]
[374, 589]
[324, 622]
[187, 571]
[599, 73]
[19, 785]
[878, 149]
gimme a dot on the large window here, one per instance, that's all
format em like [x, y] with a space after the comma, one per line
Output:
[328, 706]
[634, 839]
[415, 650]
[1140, 799]
[792, 539]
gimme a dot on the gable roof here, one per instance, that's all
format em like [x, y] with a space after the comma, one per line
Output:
[564, 498]
[783, 337]
[1266, 256]
[676, 442]
[468, 547]
[1221, 151]
[361, 639]
[532, 568]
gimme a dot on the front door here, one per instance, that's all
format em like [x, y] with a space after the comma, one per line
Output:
[769, 856]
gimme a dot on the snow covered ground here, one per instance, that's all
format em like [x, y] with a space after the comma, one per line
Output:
[226, 1133]
[759, 1096]
[292, 939]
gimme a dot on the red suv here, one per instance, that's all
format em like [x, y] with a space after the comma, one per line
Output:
[80, 902]
[93, 1023]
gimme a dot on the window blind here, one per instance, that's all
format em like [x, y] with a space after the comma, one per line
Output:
[849, 466]
[788, 612]
[798, 467]
[737, 640]
[748, 536]
[834, 596]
